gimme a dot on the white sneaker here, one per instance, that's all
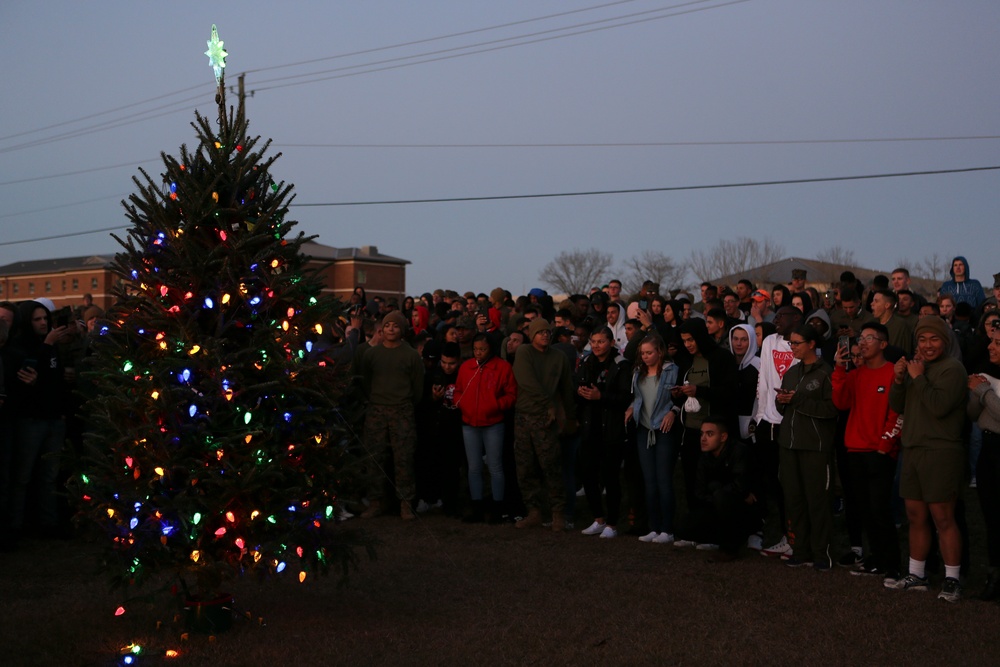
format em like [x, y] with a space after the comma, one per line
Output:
[593, 529]
[609, 532]
[707, 547]
[755, 542]
[664, 538]
[782, 549]
[685, 543]
[649, 537]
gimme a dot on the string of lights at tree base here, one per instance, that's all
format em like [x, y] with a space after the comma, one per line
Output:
[218, 443]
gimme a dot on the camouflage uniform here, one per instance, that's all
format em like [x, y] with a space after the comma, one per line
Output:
[536, 449]
[393, 427]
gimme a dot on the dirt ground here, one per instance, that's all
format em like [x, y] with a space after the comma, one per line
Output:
[446, 593]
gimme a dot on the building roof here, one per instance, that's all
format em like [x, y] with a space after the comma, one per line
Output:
[310, 249]
[59, 265]
[817, 273]
[368, 253]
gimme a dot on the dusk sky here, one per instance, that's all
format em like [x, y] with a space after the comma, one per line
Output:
[391, 100]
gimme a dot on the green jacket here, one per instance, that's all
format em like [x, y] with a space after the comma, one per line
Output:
[809, 421]
[933, 405]
[544, 383]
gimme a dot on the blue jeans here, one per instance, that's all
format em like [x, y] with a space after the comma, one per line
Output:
[657, 463]
[488, 440]
[37, 447]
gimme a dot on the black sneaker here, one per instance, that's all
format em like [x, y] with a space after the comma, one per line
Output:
[795, 562]
[850, 559]
[863, 570]
[951, 590]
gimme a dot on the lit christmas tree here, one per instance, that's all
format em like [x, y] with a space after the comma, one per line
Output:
[218, 442]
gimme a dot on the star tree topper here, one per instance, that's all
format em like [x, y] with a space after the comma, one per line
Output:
[216, 54]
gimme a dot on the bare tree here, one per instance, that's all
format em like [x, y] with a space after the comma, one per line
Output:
[837, 254]
[655, 266]
[576, 271]
[934, 266]
[741, 256]
[839, 257]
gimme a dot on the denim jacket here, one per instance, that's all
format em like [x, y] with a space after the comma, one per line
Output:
[664, 402]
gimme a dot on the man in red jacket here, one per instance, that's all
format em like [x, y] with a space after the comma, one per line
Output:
[484, 391]
[872, 441]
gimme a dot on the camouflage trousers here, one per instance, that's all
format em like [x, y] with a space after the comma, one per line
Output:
[538, 457]
[393, 428]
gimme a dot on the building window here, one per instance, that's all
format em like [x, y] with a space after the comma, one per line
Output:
[17, 288]
[93, 283]
[1, 289]
[64, 285]
[76, 284]
[362, 277]
[31, 288]
[48, 286]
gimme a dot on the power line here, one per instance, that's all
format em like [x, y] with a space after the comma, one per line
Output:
[718, 186]
[645, 144]
[114, 123]
[314, 60]
[64, 236]
[500, 47]
[75, 173]
[678, 188]
[463, 33]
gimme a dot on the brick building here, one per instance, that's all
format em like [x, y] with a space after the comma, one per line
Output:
[66, 280]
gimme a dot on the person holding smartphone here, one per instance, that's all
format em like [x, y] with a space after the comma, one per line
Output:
[805, 445]
[872, 442]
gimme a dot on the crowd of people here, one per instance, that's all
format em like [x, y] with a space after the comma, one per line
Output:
[783, 406]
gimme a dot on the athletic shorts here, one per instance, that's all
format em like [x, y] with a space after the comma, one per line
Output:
[932, 475]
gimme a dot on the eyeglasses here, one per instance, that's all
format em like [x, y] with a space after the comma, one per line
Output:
[870, 338]
[856, 355]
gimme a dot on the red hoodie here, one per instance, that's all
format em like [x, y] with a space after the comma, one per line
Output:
[484, 393]
[421, 319]
[872, 425]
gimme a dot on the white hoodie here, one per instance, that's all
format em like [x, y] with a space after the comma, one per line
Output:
[775, 360]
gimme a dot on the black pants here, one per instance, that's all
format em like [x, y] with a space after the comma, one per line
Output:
[765, 484]
[602, 468]
[725, 521]
[872, 476]
[690, 453]
[852, 503]
[988, 490]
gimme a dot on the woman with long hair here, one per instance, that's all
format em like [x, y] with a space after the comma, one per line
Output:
[604, 393]
[655, 414]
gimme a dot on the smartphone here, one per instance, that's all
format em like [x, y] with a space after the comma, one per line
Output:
[643, 304]
[30, 363]
[845, 342]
